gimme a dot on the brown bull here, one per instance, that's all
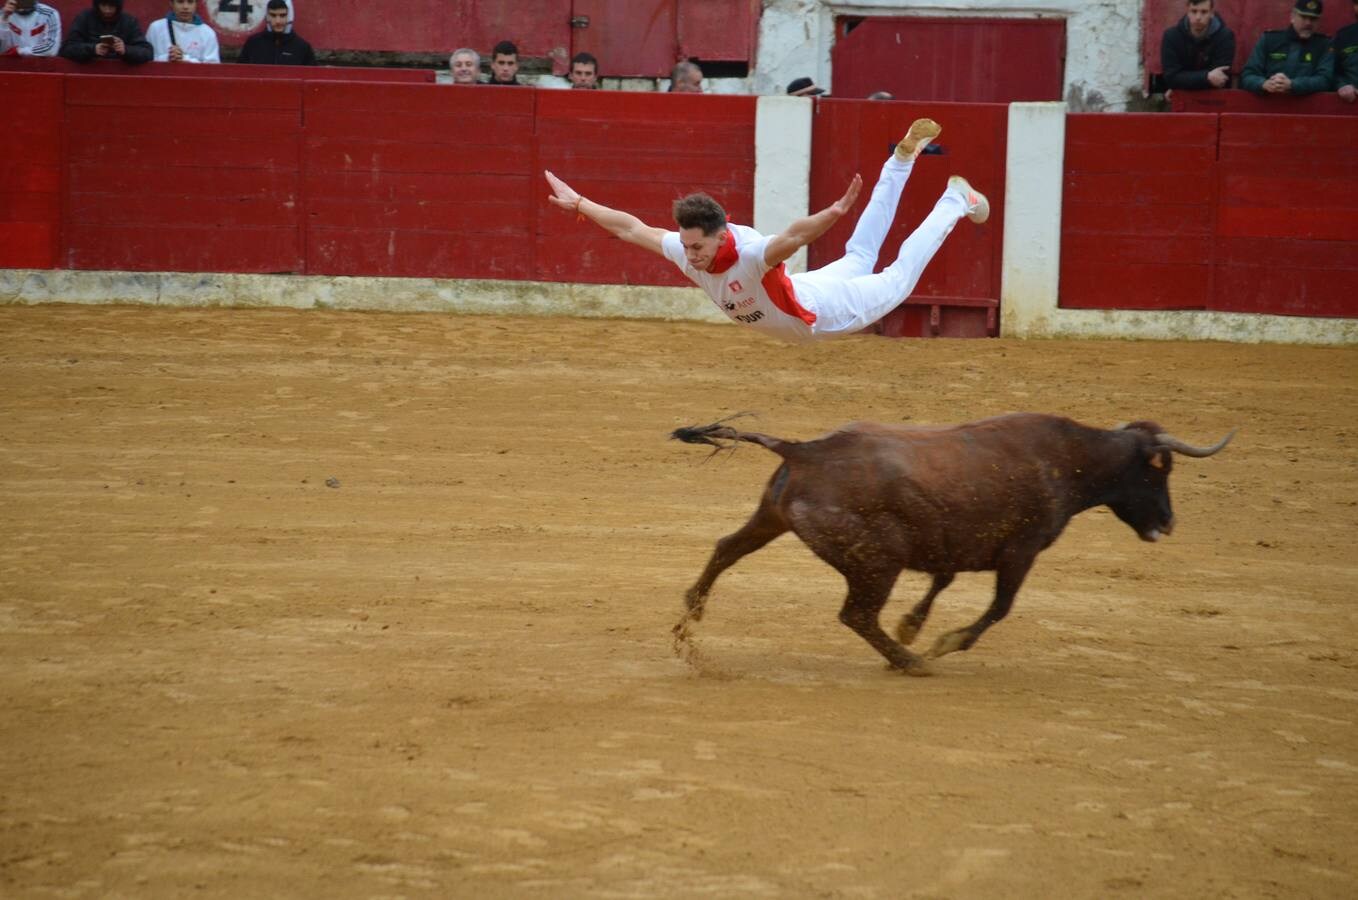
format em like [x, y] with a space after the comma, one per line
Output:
[872, 500]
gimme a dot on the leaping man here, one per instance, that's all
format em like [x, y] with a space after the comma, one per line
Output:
[743, 272]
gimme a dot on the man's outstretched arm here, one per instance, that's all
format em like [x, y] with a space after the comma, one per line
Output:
[615, 221]
[807, 229]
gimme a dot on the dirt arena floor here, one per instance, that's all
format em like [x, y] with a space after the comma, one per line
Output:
[316, 604]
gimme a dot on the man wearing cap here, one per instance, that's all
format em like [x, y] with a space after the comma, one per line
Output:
[803, 87]
[1346, 59]
[1296, 60]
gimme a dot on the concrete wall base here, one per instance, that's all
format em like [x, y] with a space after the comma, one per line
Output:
[469, 296]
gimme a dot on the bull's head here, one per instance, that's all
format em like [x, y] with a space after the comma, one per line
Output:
[1142, 497]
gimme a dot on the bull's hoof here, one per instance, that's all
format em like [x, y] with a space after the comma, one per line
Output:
[953, 640]
[694, 603]
[907, 631]
[915, 666]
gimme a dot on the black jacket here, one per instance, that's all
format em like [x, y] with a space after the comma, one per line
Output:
[272, 49]
[85, 31]
[1186, 60]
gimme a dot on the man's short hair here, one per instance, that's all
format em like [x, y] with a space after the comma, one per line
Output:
[682, 68]
[276, 4]
[504, 48]
[586, 59]
[700, 211]
[466, 51]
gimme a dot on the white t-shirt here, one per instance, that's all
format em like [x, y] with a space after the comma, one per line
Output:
[748, 291]
[199, 42]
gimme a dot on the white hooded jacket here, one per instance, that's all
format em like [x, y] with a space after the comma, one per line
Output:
[196, 39]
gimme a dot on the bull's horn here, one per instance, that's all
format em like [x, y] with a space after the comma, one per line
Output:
[1172, 443]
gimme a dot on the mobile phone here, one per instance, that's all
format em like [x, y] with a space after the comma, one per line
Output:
[107, 38]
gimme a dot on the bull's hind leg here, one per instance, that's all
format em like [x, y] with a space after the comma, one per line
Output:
[913, 621]
[765, 525]
[862, 609]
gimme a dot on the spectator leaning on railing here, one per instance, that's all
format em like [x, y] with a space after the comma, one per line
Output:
[277, 44]
[1296, 60]
[106, 32]
[1345, 50]
[1196, 53]
[29, 29]
[182, 36]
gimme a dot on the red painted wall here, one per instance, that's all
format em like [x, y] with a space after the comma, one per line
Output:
[315, 176]
[1217, 212]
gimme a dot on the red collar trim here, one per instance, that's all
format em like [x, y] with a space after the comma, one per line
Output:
[726, 256]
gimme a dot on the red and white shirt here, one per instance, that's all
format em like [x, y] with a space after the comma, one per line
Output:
[35, 34]
[744, 287]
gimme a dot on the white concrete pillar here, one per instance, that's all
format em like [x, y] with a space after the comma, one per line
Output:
[782, 166]
[1034, 174]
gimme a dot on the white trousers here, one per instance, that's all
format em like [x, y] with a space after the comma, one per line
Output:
[845, 295]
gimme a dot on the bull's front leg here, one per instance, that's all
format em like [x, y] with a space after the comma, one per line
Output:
[1008, 578]
[913, 621]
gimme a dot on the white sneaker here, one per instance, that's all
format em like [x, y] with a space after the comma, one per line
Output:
[921, 132]
[978, 207]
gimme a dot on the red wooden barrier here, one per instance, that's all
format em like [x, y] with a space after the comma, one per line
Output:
[419, 181]
[1137, 211]
[1327, 104]
[959, 292]
[30, 172]
[1233, 213]
[182, 174]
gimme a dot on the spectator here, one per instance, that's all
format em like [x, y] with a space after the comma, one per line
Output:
[584, 72]
[686, 78]
[1296, 60]
[504, 64]
[182, 36]
[1196, 54]
[106, 32]
[465, 66]
[881, 95]
[803, 87]
[30, 29]
[276, 45]
[1346, 59]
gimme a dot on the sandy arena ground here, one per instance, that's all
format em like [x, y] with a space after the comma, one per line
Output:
[314, 604]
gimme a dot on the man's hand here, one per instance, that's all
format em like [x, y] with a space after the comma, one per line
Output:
[1219, 76]
[176, 54]
[1278, 84]
[1348, 93]
[844, 204]
[562, 194]
[10, 6]
[119, 48]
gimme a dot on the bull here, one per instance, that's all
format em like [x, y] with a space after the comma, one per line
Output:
[872, 500]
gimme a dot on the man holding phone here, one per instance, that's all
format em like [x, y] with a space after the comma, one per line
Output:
[106, 32]
[32, 28]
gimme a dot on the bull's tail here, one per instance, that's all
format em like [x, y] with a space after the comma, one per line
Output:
[721, 436]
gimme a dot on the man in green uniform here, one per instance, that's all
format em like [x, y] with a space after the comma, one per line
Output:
[1296, 60]
[1346, 59]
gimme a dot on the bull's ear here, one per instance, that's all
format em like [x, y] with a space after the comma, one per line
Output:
[1159, 458]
